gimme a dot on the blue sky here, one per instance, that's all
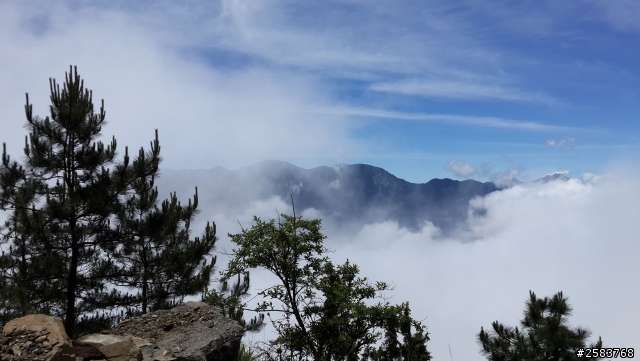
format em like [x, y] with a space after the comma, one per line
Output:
[423, 89]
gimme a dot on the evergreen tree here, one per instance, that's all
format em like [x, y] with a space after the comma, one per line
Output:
[16, 286]
[158, 259]
[413, 346]
[229, 300]
[66, 167]
[546, 336]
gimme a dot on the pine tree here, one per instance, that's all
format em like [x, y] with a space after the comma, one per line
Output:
[229, 300]
[67, 168]
[16, 286]
[158, 259]
[413, 346]
[544, 336]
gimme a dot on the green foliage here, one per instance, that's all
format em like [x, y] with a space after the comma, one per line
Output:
[17, 287]
[62, 202]
[413, 346]
[158, 258]
[229, 300]
[247, 353]
[544, 334]
[325, 316]
[58, 234]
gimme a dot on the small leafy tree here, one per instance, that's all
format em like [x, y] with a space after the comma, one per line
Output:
[545, 335]
[325, 316]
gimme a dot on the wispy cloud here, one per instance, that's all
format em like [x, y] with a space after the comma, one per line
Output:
[460, 168]
[379, 43]
[561, 172]
[234, 82]
[205, 116]
[491, 122]
[506, 178]
[462, 90]
[620, 15]
[562, 143]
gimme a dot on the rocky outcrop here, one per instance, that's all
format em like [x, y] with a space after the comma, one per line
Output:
[34, 337]
[189, 332]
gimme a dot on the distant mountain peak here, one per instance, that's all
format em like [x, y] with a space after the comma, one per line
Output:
[342, 193]
[561, 176]
[504, 183]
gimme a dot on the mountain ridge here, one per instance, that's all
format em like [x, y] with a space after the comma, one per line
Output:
[344, 193]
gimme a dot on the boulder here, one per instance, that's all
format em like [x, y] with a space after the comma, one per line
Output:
[86, 351]
[56, 335]
[193, 331]
[125, 350]
[34, 337]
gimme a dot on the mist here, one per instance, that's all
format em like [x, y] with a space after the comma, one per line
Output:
[578, 237]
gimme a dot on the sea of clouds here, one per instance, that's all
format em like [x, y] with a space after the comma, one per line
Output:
[579, 237]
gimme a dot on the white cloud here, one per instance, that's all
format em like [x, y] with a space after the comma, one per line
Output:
[372, 47]
[591, 178]
[205, 116]
[295, 188]
[506, 178]
[489, 122]
[620, 15]
[460, 169]
[562, 143]
[462, 90]
[561, 236]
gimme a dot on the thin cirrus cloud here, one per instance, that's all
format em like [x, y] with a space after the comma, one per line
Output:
[372, 47]
[282, 64]
[461, 90]
[143, 56]
[561, 143]
[148, 86]
[620, 15]
[490, 122]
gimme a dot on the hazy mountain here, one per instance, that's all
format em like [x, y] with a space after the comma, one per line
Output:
[552, 177]
[508, 183]
[343, 194]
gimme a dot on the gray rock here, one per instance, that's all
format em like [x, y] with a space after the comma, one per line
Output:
[193, 331]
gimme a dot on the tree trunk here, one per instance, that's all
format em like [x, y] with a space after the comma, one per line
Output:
[72, 282]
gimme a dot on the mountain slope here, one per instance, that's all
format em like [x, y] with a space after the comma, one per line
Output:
[342, 194]
[551, 178]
